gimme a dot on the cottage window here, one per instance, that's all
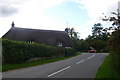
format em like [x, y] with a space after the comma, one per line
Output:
[30, 41]
[60, 44]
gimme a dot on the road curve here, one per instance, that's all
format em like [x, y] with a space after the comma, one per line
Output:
[82, 66]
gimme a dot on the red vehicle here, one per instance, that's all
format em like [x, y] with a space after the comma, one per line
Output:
[92, 51]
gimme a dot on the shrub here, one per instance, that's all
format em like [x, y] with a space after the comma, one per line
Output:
[69, 52]
[114, 45]
[19, 52]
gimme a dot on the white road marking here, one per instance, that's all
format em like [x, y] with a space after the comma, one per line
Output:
[86, 59]
[59, 71]
[91, 56]
[80, 62]
[69, 66]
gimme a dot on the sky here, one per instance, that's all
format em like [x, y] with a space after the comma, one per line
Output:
[55, 14]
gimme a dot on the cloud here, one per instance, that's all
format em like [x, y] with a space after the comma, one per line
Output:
[10, 7]
[95, 8]
[7, 10]
[83, 30]
[13, 1]
[31, 13]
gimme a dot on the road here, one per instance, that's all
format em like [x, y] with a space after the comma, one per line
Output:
[82, 66]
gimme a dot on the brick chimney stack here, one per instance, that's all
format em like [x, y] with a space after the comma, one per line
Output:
[12, 25]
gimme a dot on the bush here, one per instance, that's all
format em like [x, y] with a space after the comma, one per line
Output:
[114, 45]
[81, 45]
[99, 45]
[69, 52]
[19, 52]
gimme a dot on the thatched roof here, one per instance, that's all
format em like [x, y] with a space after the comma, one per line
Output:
[48, 37]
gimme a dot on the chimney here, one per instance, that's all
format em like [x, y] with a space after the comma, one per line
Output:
[12, 25]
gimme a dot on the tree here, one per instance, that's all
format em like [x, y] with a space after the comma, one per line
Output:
[114, 41]
[115, 20]
[72, 33]
[97, 29]
[97, 43]
[99, 38]
[81, 45]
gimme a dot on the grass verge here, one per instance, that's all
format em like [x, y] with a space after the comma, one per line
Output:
[7, 67]
[106, 70]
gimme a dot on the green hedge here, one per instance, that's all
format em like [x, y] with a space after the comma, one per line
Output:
[70, 52]
[19, 52]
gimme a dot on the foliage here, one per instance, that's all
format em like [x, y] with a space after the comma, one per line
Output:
[76, 44]
[96, 30]
[97, 40]
[115, 19]
[114, 42]
[114, 45]
[19, 52]
[99, 45]
[69, 52]
[72, 33]
[6, 67]
[100, 33]
[81, 45]
[74, 37]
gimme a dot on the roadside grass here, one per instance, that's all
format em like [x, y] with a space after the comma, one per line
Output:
[7, 67]
[107, 70]
[0, 68]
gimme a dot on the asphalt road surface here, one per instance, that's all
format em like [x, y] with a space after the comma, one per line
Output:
[82, 66]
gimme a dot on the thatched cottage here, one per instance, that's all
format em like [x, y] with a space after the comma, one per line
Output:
[48, 37]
